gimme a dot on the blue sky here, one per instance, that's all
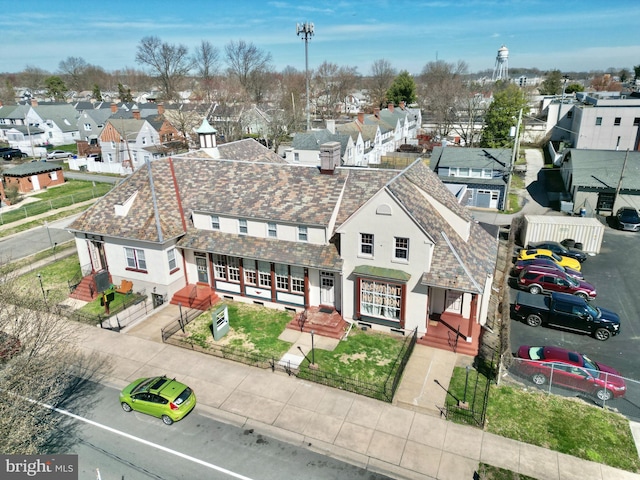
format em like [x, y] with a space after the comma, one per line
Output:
[568, 35]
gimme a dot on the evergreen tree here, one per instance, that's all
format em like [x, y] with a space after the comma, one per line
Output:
[124, 94]
[552, 83]
[56, 88]
[501, 115]
[97, 94]
[403, 89]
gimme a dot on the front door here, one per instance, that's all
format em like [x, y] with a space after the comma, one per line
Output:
[203, 269]
[327, 292]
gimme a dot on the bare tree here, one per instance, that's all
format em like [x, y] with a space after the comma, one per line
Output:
[248, 64]
[381, 79]
[206, 59]
[171, 63]
[470, 107]
[441, 84]
[73, 71]
[331, 84]
[41, 365]
[32, 77]
[185, 120]
[290, 92]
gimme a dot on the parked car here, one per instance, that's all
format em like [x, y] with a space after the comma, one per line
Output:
[566, 311]
[627, 218]
[559, 249]
[570, 370]
[569, 262]
[161, 397]
[538, 280]
[11, 153]
[545, 263]
[59, 154]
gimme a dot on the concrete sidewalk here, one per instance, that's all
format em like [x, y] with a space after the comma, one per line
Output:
[406, 440]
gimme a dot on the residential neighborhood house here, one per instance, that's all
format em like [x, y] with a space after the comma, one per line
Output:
[387, 249]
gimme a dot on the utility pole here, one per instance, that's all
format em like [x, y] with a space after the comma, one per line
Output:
[624, 165]
[514, 156]
[306, 29]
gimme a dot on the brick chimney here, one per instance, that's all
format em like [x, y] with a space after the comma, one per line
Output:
[402, 105]
[390, 107]
[376, 112]
[361, 117]
[34, 102]
[161, 109]
[329, 157]
[136, 113]
[114, 108]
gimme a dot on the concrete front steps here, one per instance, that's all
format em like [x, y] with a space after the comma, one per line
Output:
[324, 321]
[199, 296]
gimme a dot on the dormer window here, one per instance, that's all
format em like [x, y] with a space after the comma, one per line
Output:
[302, 234]
[242, 226]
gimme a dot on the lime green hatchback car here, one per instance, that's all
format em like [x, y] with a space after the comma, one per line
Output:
[161, 397]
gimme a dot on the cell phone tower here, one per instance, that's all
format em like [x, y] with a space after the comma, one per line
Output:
[306, 30]
[501, 70]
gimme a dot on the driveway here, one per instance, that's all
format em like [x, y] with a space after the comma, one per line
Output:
[615, 272]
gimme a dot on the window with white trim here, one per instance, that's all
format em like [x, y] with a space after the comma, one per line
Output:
[297, 279]
[380, 299]
[242, 226]
[302, 234]
[402, 248]
[249, 268]
[226, 268]
[135, 259]
[366, 244]
[272, 230]
[215, 222]
[87, 127]
[264, 274]
[171, 258]
[282, 277]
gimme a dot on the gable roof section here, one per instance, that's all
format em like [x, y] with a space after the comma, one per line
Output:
[602, 169]
[64, 116]
[284, 193]
[313, 139]
[31, 168]
[457, 263]
[248, 150]
[140, 222]
[494, 158]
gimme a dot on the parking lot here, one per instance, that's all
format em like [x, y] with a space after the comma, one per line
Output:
[615, 272]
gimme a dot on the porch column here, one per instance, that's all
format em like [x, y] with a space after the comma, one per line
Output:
[306, 288]
[472, 315]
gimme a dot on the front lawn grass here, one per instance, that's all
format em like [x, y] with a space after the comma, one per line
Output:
[54, 276]
[252, 328]
[566, 425]
[364, 356]
[119, 303]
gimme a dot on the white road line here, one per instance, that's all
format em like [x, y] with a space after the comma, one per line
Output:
[140, 440]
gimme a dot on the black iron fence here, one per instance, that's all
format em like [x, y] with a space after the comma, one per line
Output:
[120, 315]
[382, 391]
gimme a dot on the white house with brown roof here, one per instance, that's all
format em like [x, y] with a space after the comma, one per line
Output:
[391, 250]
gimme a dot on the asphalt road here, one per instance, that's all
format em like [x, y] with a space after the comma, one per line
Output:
[35, 240]
[615, 273]
[124, 446]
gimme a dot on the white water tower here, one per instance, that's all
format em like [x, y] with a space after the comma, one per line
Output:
[501, 70]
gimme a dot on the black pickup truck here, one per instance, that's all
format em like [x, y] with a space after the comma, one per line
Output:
[566, 311]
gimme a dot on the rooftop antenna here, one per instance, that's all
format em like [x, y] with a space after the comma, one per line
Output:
[306, 30]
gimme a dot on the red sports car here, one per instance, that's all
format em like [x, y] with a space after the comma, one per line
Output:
[571, 370]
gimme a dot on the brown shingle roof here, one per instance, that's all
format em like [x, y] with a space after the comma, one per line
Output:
[301, 254]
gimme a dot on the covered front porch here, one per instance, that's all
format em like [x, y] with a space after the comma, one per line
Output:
[452, 332]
